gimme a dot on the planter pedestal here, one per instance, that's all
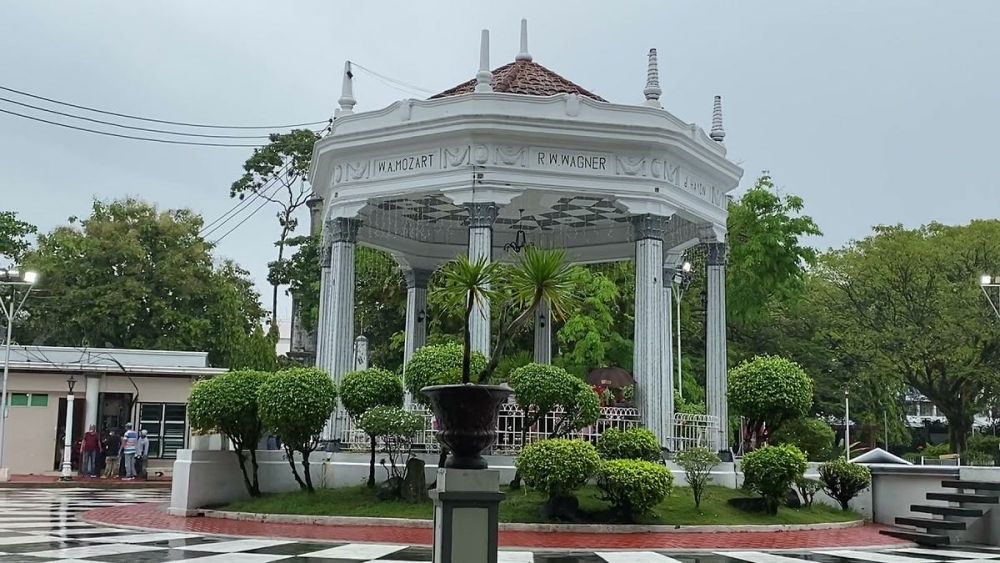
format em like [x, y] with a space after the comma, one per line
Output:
[466, 507]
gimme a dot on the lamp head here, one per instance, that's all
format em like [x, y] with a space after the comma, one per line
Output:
[686, 267]
[985, 279]
[71, 382]
[30, 277]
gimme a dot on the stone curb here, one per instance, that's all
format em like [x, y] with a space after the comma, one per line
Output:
[520, 527]
[116, 485]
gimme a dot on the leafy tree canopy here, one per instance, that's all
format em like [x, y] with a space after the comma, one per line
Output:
[14, 235]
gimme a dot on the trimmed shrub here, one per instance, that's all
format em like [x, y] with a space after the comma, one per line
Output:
[227, 404]
[769, 389]
[634, 443]
[843, 480]
[633, 487]
[698, 464]
[811, 435]
[296, 403]
[935, 450]
[770, 472]
[983, 445]
[363, 390]
[558, 467]
[437, 365]
[807, 489]
[396, 427]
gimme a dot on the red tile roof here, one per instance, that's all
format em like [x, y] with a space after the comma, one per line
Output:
[524, 77]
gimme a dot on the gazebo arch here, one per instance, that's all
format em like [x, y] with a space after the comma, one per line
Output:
[521, 147]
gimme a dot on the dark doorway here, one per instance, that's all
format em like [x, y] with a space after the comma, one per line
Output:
[113, 411]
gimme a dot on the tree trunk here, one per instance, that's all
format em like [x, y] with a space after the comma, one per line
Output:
[305, 471]
[243, 469]
[256, 468]
[274, 288]
[371, 465]
[290, 454]
[467, 342]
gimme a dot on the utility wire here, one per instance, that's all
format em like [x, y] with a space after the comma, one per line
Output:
[406, 85]
[121, 136]
[151, 130]
[128, 116]
[274, 186]
[237, 225]
[241, 203]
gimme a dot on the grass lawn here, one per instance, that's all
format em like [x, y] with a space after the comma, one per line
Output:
[524, 506]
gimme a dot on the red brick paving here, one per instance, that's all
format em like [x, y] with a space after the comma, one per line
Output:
[32, 481]
[154, 516]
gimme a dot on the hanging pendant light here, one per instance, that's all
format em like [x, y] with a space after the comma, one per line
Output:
[520, 238]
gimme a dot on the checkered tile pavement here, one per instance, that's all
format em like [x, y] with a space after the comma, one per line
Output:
[43, 525]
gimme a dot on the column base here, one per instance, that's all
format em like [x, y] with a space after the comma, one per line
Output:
[4, 474]
[466, 523]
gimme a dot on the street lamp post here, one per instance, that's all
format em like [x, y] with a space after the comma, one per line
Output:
[67, 467]
[682, 278]
[847, 424]
[13, 279]
[991, 289]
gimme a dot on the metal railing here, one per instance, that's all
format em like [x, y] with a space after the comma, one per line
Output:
[690, 430]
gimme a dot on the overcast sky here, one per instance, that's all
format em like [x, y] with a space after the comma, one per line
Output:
[873, 112]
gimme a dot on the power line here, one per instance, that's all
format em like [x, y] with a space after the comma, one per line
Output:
[273, 185]
[128, 116]
[237, 225]
[121, 136]
[151, 130]
[241, 203]
[406, 85]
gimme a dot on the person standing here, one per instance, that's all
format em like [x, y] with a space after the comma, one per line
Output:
[129, 441]
[141, 454]
[112, 447]
[89, 448]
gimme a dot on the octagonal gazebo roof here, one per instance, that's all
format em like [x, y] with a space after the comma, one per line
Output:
[560, 162]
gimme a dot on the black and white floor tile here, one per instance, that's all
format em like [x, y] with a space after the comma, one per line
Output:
[38, 525]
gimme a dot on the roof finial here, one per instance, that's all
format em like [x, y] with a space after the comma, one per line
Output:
[718, 133]
[484, 78]
[652, 89]
[524, 55]
[347, 100]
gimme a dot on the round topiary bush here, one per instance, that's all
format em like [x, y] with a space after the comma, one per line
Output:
[558, 467]
[370, 388]
[771, 470]
[437, 365]
[769, 389]
[843, 480]
[634, 443]
[633, 487]
[811, 435]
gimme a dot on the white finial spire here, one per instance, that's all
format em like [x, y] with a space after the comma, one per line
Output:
[347, 100]
[484, 78]
[652, 89]
[718, 133]
[524, 55]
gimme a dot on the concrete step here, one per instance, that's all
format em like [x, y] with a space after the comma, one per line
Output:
[916, 537]
[964, 497]
[930, 523]
[946, 510]
[971, 485]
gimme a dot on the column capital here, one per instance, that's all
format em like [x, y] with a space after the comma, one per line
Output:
[718, 253]
[342, 229]
[482, 213]
[325, 254]
[417, 278]
[648, 226]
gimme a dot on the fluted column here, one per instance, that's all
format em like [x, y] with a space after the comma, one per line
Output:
[647, 364]
[667, 384]
[543, 334]
[481, 218]
[416, 316]
[336, 328]
[717, 376]
[325, 289]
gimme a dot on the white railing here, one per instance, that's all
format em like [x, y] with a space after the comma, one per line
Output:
[690, 430]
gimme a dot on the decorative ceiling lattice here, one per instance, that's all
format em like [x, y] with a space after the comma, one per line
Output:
[568, 212]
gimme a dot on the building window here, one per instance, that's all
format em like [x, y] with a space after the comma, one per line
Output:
[29, 400]
[166, 428]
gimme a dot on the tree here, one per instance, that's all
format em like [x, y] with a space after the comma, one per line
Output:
[811, 435]
[14, 235]
[227, 404]
[769, 390]
[132, 276]
[364, 390]
[256, 351]
[296, 404]
[594, 334]
[843, 480]
[276, 173]
[908, 302]
[396, 427]
[542, 389]
[771, 470]
[698, 464]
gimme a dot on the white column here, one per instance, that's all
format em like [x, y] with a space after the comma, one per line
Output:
[647, 364]
[67, 468]
[667, 384]
[543, 334]
[717, 376]
[93, 396]
[325, 289]
[416, 312]
[481, 218]
[336, 328]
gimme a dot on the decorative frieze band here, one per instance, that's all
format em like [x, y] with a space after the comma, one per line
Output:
[649, 226]
[482, 214]
[718, 253]
[417, 278]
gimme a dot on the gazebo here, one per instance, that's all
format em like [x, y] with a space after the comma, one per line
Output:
[521, 152]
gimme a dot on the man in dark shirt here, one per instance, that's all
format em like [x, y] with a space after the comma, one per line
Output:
[89, 448]
[111, 446]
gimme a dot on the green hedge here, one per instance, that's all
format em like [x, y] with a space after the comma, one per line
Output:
[771, 470]
[634, 487]
[634, 443]
[843, 480]
[558, 467]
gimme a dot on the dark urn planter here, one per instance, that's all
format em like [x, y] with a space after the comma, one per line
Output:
[467, 415]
